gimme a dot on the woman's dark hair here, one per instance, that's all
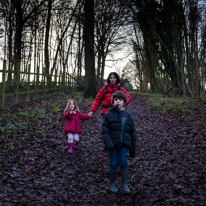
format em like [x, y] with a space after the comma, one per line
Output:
[119, 95]
[116, 75]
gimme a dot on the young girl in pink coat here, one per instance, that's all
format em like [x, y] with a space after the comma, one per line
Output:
[72, 126]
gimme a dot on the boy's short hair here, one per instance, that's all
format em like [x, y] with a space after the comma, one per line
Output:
[119, 95]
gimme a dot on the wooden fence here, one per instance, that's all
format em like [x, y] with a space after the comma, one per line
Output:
[62, 83]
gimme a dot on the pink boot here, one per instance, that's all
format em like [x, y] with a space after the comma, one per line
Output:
[70, 147]
[76, 145]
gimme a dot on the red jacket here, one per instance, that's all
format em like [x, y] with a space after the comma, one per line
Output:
[73, 124]
[107, 100]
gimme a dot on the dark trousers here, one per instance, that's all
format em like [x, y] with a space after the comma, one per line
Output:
[118, 156]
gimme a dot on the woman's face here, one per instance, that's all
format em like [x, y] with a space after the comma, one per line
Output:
[112, 79]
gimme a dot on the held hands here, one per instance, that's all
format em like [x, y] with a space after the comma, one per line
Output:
[90, 114]
[72, 112]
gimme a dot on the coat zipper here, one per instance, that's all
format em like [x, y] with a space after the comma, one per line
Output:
[124, 125]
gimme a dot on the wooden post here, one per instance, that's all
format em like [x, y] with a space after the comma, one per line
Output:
[59, 90]
[37, 83]
[28, 84]
[72, 84]
[3, 84]
[63, 82]
[67, 80]
[55, 84]
[17, 82]
[50, 84]
[44, 76]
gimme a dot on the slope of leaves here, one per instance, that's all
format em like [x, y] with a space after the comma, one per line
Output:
[36, 168]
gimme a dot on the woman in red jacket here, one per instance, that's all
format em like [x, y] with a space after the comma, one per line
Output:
[105, 93]
[72, 126]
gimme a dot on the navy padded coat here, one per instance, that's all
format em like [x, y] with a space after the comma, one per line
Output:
[115, 134]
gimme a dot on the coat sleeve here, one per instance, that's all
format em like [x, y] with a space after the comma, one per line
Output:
[83, 116]
[98, 100]
[67, 114]
[133, 135]
[128, 96]
[106, 135]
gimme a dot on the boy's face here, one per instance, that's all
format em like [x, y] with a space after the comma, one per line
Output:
[71, 105]
[119, 103]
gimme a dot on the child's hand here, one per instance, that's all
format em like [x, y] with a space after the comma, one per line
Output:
[90, 114]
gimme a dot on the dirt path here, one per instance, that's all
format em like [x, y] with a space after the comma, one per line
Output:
[169, 168]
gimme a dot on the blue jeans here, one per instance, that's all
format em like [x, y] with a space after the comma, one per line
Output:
[118, 156]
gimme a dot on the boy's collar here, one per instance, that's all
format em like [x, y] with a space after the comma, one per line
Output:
[116, 108]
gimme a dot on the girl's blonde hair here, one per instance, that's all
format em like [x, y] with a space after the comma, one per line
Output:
[75, 104]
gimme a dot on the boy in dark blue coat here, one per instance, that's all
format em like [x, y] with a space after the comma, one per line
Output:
[119, 135]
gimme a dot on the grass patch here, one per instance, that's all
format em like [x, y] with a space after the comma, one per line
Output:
[169, 104]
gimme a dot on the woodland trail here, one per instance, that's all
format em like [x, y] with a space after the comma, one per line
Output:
[169, 168]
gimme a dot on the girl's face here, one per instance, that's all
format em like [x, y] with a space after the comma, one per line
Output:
[112, 79]
[119, 103]
[71, 105]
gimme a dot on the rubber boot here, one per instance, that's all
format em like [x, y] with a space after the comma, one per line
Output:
[70, 147]
[112, 175]
[123, 173]
[76, 145]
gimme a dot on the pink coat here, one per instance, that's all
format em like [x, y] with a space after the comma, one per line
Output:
[73, 124]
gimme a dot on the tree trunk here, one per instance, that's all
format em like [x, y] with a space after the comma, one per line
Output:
[98, 65]
[90, 84]
[10, 44]
[46, 49]
[79, 45]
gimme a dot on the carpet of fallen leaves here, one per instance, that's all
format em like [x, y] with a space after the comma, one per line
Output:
[36, 168]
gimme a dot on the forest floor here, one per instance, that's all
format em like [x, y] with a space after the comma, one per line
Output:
[36, 168]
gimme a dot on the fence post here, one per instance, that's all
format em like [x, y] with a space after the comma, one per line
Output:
[59, 89]
[3, 84]
[63, 82]
[28, 84]
[17, 82]
[44, 76]
[55, 84]
[50, 84]
[72, 85]
[37, 83]
[67, 82]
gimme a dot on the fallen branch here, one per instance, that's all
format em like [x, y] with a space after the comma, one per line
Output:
[78, 82]
[167, 93]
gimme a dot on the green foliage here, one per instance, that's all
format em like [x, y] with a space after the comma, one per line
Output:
[2, 129]
[158, 102]
[56, 108]
[25, 122]
[40, 131]
[7, 144]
